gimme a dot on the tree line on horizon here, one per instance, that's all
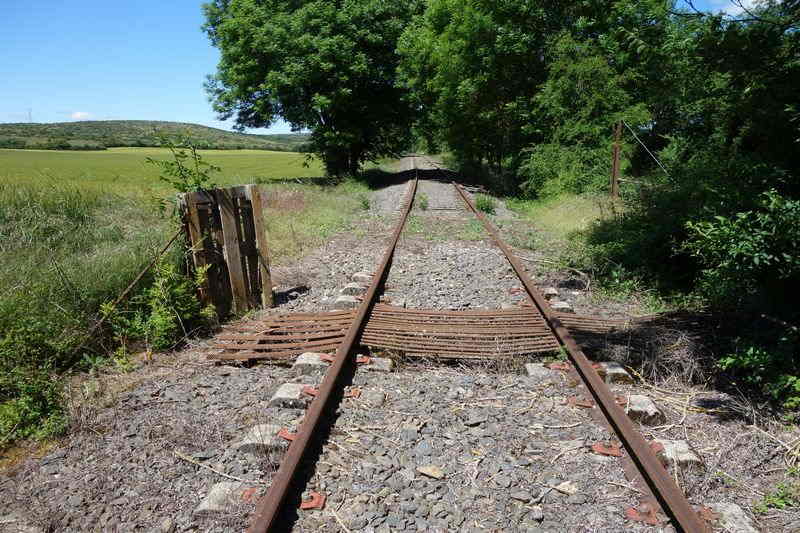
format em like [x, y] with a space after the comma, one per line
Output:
[100, 135]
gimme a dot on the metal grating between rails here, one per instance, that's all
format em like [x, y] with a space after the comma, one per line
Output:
[416, 332]
[342, 331]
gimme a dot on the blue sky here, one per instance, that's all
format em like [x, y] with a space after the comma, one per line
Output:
[86, 59]
[135, 59]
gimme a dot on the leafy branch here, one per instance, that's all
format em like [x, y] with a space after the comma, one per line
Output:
[187, 171]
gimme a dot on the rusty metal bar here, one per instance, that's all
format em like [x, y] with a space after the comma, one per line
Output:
[669, 496]
[270, 504]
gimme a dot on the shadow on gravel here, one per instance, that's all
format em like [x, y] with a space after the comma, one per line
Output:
[287, 295]
[376, 178]
[685, 347]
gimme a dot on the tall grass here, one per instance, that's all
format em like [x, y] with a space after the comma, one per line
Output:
[63, 252]
[563, 215]
[300, 217]
[66, 249]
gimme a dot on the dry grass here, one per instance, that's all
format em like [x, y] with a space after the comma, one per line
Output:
[286, 200]
[564, 215]
[302, 217]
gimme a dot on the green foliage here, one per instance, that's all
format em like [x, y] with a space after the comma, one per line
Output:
[422, 201]
[552, 169]
[749, 253]
[485, 203]
[187, 171]
[786, 494]
[302, 217]
[363, 199]
[771, 367]
[164, 313]
[320, 65]
[34, 410]
[99, 135]
[473, 230]
[57, 242]
[122, 171]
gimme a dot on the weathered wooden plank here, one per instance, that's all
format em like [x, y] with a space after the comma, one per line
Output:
[260, 229]
[219, 281]
[230, 247]
[196, 240]
[249, 252]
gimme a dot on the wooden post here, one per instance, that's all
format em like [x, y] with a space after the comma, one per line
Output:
[195, 238]
[615, 160]
[254, 195]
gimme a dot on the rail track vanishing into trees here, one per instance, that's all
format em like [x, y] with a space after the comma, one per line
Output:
[531, 328]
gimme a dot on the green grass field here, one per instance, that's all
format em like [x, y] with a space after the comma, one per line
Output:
[124, 171]
[76, 228]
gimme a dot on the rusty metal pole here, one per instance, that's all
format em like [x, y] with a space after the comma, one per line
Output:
[615, 160]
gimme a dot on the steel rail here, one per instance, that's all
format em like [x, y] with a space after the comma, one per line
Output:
[666, 492]
[271, 503]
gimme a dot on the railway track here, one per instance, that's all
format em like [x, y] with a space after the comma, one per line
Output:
[447, 334]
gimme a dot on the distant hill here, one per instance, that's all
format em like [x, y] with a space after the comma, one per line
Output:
[102, 134]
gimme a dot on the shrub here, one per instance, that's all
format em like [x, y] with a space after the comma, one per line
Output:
[485, 203]
[187, 170]
[363, 200]
[164, 313]
[750, 252]
[771, 367]
[64, 253]
[553, 169]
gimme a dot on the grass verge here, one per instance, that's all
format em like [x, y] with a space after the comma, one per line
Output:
[301, 217]
[70, 245]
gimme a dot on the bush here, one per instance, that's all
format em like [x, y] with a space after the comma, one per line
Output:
[553, 169]
[164, 313]
[485, 203]
[364, 201]
[64, 253]
[773, 368]
[755, 252]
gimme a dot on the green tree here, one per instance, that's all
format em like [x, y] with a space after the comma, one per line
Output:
[473, 67]
[326, 66]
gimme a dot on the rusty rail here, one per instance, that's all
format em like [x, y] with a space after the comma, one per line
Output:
[270, 504]
[666, 492]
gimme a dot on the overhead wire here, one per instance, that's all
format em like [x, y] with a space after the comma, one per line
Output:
[646, 149]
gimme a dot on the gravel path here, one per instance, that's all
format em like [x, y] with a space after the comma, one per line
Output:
[424, 448]
[493, 446]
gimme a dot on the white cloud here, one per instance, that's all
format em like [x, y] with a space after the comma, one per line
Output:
[80, 115]
[731, 7]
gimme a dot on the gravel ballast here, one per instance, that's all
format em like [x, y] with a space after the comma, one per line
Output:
[425, 447]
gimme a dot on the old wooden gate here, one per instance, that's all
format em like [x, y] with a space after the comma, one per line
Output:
[225, 229]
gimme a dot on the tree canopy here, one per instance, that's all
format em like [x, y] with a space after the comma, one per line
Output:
[324, 66]
[525, 94]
